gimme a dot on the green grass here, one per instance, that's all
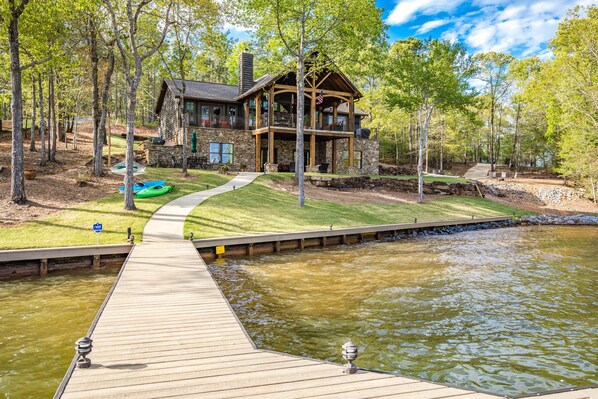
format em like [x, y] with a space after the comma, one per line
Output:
[72, 227]
[259, 209]
[118, 145]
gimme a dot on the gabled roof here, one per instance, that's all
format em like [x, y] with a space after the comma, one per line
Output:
[198, 91]
[203, 90]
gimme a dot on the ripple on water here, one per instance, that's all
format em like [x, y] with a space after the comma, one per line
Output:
[40, 319]
[511, 311]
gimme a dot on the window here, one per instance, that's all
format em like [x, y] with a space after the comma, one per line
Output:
[190, 109]
[221, 153]
[356, 156]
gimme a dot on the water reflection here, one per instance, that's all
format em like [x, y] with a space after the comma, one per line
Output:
[40, 319]
[511, 311]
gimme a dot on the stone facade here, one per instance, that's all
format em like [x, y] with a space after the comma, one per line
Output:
[370, 154]
[168, 118]
[399, 185]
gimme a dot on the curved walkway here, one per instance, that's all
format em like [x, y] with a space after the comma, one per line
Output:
[168, 222]
[480, 171]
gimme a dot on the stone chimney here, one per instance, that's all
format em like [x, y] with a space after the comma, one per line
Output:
[245, 72]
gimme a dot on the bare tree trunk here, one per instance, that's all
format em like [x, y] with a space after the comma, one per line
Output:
[514, 161]
[420, 162]
[131, 105]
[33, 109]
[300, 162]
[491, 148]
[17, 177]
[53, 118]
[441, 166]
[410, 143]
[104, 116]
[42, 127]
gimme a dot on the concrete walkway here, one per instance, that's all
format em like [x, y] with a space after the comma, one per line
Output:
[480, 171]
[167, 223]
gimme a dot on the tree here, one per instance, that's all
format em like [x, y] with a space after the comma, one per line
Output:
[191, 23]
[493, 70]
[137, 38]
[11, 15]
[428, 75]
[299, 28]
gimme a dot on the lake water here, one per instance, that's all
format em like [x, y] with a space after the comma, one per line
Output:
[510, 311]
[40, 320]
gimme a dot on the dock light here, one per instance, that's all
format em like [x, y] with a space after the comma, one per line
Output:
[191, 236]
[128, 233]
[207, 186]
[350, 353]
[414, 220]
[330, 226]
[131, 239]
[234, 187]
[83, 348]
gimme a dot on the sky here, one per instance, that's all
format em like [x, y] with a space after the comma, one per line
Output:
[521, 28]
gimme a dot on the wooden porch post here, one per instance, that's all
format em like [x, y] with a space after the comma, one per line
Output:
[312, 119]
[351, 151]
[271, 107]
[258, 146]
[352, 115]
[246, 112]
[270, 145]
[312, 150]
[334, 114]
[258, 110]
[333, 160]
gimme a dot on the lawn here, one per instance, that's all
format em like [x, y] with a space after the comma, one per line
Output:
[73, 226]
[259, 209]
[118, 145]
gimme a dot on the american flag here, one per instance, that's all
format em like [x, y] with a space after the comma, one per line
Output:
[320, 98]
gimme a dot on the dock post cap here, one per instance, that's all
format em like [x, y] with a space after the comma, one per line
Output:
[83, 347]
[350, 353]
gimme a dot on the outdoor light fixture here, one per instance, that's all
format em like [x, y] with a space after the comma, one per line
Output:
[234, 187]
[207, 186]
[349, 354]
[330, 226]
[414, 220]
[83, 348]
[191, 236]
[132, 239]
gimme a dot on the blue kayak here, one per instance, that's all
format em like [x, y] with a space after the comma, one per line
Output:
[137, 187]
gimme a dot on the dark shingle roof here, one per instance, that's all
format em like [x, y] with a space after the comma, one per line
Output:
[204, 90]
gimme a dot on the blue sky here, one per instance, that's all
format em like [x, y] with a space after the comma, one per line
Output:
[519, 27]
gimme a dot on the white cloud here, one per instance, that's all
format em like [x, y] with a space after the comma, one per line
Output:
[428, 26]
[406, 10]
[520, 27]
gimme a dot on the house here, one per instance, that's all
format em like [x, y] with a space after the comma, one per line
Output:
[254, 123]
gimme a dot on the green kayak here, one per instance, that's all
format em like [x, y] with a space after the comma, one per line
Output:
[153, 191]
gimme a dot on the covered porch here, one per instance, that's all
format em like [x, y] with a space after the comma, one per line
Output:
[270, 111]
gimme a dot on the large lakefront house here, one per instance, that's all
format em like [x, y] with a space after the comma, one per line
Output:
[254, 124]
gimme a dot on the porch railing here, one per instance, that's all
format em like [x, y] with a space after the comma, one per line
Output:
[285, 119]
[221, 124]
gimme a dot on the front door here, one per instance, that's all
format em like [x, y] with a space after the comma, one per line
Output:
[264, 157]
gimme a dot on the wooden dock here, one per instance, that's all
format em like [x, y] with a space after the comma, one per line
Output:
[166, 331]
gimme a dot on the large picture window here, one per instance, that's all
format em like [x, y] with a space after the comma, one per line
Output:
[356, 157]
[221, 153]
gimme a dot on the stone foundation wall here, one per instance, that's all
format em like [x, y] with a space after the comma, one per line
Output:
[408, 186]
[370, 154]
[168, 117]
[170, 154]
